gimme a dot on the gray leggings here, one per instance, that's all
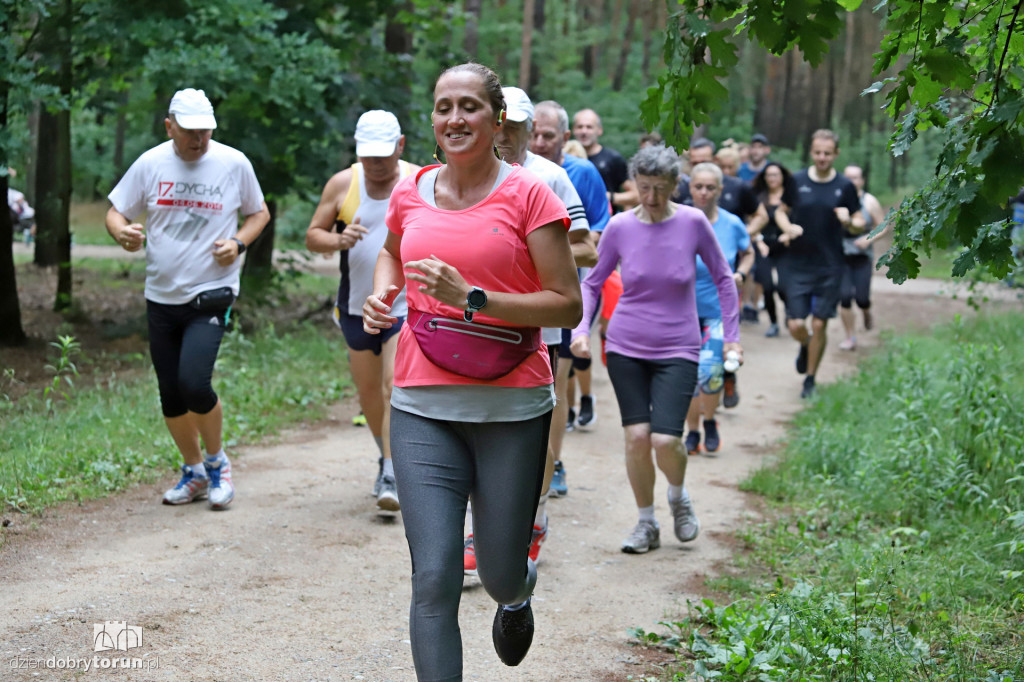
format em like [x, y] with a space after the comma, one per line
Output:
[439, 465]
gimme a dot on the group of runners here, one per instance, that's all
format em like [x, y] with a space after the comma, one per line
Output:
[469, 290]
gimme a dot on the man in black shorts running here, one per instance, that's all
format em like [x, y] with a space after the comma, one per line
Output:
[811, 268]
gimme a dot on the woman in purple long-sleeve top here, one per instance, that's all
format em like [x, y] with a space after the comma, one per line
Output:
[653, 339]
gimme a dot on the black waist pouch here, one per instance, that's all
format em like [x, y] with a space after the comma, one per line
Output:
[214, 299]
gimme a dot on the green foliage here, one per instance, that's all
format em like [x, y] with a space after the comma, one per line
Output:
[958, 69]
[64, 371]
[112, 435]
[896, 549]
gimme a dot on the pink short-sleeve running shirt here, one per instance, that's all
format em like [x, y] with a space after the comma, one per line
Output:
[486, 243]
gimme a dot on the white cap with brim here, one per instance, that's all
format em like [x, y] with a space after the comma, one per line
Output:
[377, 133]
[192, 110]
[518, 106]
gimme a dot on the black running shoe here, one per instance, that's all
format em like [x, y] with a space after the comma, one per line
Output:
[587, 416]
[693, 442]
[570, 423]
[801, 360]
[808, 389]
[712, 441]
[512, 634]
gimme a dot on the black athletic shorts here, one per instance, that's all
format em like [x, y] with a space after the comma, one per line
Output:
[657, 392]
[811, 292]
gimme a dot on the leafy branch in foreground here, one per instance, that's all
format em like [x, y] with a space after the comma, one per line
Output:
[959, 70]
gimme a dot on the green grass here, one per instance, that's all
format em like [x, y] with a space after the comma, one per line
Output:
[895, 549]
[68, 443]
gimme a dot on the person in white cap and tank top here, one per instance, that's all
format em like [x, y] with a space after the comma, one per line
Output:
[350, 219]
[191, 190]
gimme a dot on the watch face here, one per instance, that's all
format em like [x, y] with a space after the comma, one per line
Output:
[476, 298]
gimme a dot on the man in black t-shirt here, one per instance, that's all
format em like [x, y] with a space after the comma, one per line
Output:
[811, 267]
[587, 129]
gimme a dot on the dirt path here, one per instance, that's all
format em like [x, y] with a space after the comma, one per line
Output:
[301, 580]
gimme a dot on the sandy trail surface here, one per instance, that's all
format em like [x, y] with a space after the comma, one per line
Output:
[302, 580]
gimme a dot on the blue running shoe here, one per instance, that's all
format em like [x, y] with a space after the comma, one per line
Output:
[558, 488]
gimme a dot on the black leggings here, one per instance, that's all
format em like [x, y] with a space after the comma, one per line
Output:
[439, 466]
[764, 267]
[183, 343]
[856, 282]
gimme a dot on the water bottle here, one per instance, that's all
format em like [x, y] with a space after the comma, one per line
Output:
[732, 361]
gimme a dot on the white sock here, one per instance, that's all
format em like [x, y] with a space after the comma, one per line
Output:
[389, 467]
[541, 518]
[516, 607]
[199, 470]
[216, 457]
[469, 518]
[647, 513]
[675, 492]
[379, 440]
[686, 494]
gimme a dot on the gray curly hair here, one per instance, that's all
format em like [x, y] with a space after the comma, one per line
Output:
[656, 161]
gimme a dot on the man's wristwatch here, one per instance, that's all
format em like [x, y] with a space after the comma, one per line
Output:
[241, 245]
[475, 300]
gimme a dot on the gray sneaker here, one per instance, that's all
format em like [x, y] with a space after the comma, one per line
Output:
[380, 475]
[645, 536]
[387, 498]
[687, 525]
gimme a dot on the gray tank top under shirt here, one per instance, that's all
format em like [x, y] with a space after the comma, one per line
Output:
[474, 402]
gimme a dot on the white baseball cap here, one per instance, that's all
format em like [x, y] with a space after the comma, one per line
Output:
[192, 110]
[518, 106]
[377, 133]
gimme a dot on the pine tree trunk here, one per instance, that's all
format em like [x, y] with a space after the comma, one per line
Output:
[471, 40]
[53, 175]
[624, 49]
[527, 45]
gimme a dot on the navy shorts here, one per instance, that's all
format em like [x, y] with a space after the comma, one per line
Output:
[351, 327]
[582, 364]
[811, 292]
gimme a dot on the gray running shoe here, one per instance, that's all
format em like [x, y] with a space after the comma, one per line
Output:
[687, 525]
[387, 499]
[645, 536]
[380, 475]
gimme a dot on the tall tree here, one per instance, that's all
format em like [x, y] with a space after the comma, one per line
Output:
[526, 47]
[19, 87]
[626, 46]
[471, 39]
[53, 164]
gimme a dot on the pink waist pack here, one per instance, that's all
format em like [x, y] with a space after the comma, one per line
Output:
[480, 351]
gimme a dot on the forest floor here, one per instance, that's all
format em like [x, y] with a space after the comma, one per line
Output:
[301, 579]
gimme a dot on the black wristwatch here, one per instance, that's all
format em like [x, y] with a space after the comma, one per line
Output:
[475, 300]
[241, 245]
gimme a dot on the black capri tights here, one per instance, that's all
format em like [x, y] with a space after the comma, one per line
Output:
[183, 343]
[856, 282]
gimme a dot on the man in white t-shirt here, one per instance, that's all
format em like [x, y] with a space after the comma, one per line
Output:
[191, 190]
[512, 141]
[350, 219]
